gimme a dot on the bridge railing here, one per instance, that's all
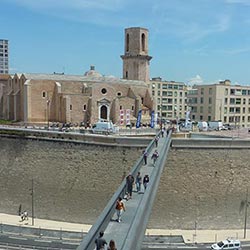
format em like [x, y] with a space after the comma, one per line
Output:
[103, 220]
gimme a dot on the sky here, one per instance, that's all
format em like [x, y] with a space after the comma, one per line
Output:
[191, 41]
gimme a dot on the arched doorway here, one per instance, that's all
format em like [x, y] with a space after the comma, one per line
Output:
[104, 112]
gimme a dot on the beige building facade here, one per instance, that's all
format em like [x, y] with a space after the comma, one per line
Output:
[220, 102]
[170, 98]
[44, 98]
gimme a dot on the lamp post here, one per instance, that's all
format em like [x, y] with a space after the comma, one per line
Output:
[177, 120]
[245, 221]
[48, 103]
[32, 201]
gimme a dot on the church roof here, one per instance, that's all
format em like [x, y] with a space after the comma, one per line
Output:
[88, 79]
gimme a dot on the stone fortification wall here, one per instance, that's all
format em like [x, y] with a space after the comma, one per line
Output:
[206, 186]
[72, 182]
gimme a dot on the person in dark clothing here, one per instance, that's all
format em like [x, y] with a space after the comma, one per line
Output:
[130, 183]
[145, 156]
[100, 242]
[156, 141]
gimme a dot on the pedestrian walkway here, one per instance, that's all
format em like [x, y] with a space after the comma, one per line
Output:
[189, 236]
[14, 220]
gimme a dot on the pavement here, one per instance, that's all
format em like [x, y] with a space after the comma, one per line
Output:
[189, 236]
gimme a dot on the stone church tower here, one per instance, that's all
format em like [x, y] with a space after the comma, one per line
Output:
[136, 58]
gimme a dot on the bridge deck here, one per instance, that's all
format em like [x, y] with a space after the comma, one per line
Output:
[119, 231]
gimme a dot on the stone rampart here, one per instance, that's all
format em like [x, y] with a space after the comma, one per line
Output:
[73, 182]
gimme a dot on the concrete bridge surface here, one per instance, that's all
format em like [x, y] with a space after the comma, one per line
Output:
[129, 233]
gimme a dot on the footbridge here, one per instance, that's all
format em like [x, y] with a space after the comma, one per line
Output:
[129, 234]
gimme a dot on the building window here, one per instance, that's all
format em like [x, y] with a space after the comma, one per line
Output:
[210, 91]
[210, 100]
[119, 93]
[127, 43]
[120, 107]
[238, 101]
[209, 110]
[201, 110]
[201, 100]
[70, 107]
[132, 107]
[44, 94]
[202, 91]
[104, 91]
[84, 107]
[126, 75]
[143, 41]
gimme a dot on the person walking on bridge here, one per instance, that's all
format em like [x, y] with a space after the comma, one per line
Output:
[145, 181]
[100, 242]
[145, 156]
[138, 182]
[155, 156]
[156, 141]
[130, 183]
[120, 207]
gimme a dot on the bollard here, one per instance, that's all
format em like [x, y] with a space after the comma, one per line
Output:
[20, 230]
[60, 233]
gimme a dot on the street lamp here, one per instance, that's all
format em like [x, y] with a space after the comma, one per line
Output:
[32, 201]
[48, 103]
[177, 119]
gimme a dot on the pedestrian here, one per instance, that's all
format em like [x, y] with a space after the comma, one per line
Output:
[155, 156]
[120, 208]
[138, 181]
[130, 183]
[24, 215]
[145, 181]
[156, 141]
[112, 245]
[145, 156]
[162, 132]
[100, 242]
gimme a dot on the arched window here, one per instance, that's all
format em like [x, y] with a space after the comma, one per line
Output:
[127, 43]
[104, 112]
[143, 42]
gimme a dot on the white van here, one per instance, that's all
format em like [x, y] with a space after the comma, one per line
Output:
[228, 244]
[104, 127]
[215, 125]
[202, 126]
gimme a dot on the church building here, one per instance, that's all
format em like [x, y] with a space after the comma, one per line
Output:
[43, 98]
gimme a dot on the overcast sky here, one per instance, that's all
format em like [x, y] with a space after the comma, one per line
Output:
[199, 41]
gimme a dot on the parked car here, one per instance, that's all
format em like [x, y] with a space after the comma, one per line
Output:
[228, 244]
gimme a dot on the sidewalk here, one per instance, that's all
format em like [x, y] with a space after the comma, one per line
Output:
[189, 236]
[203, 236]
[14, 220]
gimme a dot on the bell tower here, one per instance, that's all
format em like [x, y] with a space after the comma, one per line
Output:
[136, 58]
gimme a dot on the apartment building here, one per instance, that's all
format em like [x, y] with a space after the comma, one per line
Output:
[4, 56]
[220, 102]
[170, 98]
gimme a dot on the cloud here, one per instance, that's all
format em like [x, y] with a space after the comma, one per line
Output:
[195, 80]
